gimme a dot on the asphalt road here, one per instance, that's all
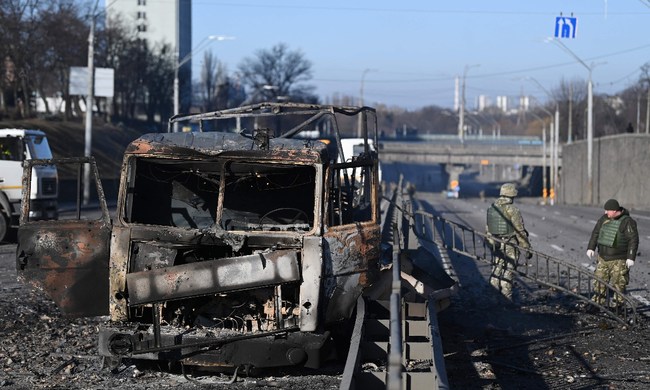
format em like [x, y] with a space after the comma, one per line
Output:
[560, 231]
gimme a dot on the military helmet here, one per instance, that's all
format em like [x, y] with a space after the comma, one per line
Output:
[508, 190]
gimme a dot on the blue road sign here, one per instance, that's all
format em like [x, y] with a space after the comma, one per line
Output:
[565, 27]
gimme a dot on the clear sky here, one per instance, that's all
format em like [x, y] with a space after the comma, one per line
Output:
[410, 53]
[415, 49]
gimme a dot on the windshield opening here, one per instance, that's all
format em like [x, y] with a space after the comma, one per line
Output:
[172, 193]
[268, 197]
[257, 196]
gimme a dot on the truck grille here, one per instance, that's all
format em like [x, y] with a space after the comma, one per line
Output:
[48, 186]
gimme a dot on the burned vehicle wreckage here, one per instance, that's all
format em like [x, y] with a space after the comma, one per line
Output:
[236, 245]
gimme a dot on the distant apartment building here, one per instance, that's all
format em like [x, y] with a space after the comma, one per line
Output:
[524, 103]
[159, 22]
[483, 102]
[502, 103]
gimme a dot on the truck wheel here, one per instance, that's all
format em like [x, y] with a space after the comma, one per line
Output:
[4, 227]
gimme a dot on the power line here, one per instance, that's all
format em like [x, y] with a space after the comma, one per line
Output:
[400, 10]
[487, 75]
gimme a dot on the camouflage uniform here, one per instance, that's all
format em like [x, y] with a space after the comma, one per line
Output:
[506, 256]
[611, 265]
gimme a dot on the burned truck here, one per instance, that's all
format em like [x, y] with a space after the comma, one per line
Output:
[245, 242]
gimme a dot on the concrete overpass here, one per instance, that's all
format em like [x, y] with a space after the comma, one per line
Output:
[480, 150]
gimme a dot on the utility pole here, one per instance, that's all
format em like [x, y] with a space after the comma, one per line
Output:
[544, 186]
[551, 194]
[461, 113]
[361, 120]
[638, 112]
[590, 141]
[590, 119]
[89, 103]
[179, 62]
[556, 147]
[569, 138]
[647, 112]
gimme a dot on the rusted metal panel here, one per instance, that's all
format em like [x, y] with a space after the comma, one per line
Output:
[119, 262]
[66, 259]
[147, 255]
[227, 145]
[351, 265]
[310, 288]
[69, 262]
[214, 276]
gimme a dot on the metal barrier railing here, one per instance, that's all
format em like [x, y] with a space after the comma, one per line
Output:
[397, 229]
[395, 369]
[540, 268]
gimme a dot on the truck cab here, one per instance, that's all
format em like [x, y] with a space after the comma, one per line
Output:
[238, 245]
[16, 146]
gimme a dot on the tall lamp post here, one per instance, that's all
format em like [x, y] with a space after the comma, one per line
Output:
[554, 138]
[182, 61]
[89, 104]
[461, 113]
[544, 194]
[362, 115]
[590, 117]
[363, 78]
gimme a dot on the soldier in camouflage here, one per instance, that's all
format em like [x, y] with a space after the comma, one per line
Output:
[505, 223]
[617, 239]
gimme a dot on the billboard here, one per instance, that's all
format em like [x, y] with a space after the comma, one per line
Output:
[103, 81]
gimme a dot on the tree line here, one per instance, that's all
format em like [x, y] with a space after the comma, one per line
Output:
[40, 40]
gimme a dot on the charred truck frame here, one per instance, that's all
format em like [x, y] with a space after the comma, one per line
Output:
[228, 241]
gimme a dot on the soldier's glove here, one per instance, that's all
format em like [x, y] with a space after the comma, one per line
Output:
[529, 255]
[494, 244]
[629, 263]
[590, 253]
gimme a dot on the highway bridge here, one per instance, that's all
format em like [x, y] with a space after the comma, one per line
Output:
[479, 150]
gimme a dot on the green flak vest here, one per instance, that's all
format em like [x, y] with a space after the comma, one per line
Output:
[498, 223]
[609, 232]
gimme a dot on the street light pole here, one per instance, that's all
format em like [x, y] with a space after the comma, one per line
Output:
[180, 62]
[461, 114]
[363, 78]
[554, 141]
[89, 104]
[544, 192]
[590, 124]
[361, 116]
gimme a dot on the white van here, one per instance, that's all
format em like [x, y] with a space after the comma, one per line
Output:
[16, 146]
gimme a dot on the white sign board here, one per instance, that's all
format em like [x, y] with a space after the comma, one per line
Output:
[103, 81]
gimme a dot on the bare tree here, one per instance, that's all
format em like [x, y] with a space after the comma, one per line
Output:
[213, 82]
[39, 41]
[61, 32]
[18, 29]
[571, 98]
[277, 74]
[158, 82]
[143, 76]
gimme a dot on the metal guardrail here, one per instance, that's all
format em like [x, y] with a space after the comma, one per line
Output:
[397, 229]
[541, 268]
[395, 368]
